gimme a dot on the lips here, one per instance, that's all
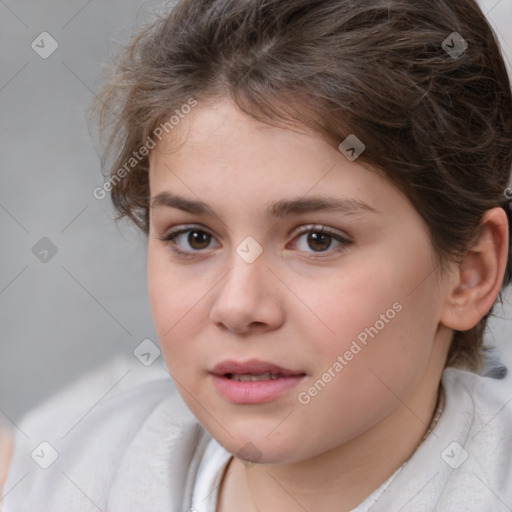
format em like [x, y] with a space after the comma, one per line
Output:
[253, 369]
[254, 382]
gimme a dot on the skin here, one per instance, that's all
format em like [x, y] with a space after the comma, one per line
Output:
[301, 309]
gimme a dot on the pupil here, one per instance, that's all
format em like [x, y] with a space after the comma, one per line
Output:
[198, 239]
[319, 241]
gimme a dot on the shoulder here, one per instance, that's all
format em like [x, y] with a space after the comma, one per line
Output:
[483, 395]
[136, 439]
[481, 459]
[466, 461]
[487, 404]
[100, 388]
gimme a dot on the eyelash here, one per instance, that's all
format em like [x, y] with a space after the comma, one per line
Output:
[169, 239]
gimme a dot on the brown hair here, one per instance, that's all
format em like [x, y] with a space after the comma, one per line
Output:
[438, 124]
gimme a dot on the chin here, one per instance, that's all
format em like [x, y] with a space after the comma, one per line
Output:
[259, 449]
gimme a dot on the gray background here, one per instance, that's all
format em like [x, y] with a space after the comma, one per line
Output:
[87, 303]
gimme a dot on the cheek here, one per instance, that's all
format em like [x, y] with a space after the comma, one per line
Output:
[374, 327]
[357, 383]
[174, 302]
[349, 305]
[162, 286]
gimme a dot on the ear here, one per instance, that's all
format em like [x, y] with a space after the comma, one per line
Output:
[479, 276]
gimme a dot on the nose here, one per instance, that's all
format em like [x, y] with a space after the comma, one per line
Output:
[248, 298]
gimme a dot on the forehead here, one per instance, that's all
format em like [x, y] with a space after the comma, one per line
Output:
[222, 130]
[218, 152]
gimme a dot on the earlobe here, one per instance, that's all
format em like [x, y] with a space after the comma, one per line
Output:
[479, 274]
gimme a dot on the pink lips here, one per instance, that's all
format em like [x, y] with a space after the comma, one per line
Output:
[253, 392]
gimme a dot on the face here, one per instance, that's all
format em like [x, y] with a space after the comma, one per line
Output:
[291, 289]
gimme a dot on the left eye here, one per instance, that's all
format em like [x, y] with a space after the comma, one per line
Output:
[319, 240]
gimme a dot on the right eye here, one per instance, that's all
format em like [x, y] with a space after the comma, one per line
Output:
[186, 241]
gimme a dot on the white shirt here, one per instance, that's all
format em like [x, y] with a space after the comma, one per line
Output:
[209, 474]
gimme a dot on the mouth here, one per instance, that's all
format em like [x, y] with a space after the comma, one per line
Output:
[254, 381]
[260, 370]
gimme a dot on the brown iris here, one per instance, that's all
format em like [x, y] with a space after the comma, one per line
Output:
[198, 239]
[319, 241]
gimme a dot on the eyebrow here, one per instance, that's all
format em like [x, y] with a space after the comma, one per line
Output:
[278, 209]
